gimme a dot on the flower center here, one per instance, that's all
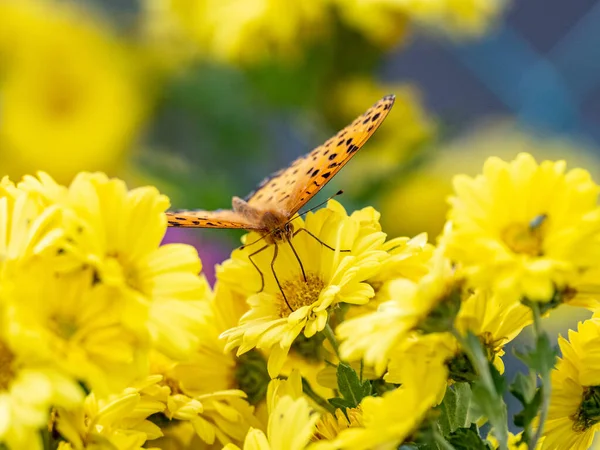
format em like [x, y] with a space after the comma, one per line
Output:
[526, 238]
[6, 369]
[300, 293]
[441, 317]
[172, 384]
[63, 326]
[460, 367]
[330, 425]
[588, 413]
[251, 376]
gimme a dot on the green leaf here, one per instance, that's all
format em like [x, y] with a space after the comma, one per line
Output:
[542, 357]
[523, 388]
[454, 409]
[467, 439]
[350, 386]
[340, 403]
[488, 389]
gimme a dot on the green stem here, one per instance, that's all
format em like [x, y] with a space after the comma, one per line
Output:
[328, 332]
[308, 390]
[546, 388]
[442, 442]
[481, 365]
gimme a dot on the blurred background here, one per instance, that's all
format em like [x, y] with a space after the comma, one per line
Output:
[203, 98]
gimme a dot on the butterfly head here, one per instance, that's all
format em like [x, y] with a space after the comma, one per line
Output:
[277, 227]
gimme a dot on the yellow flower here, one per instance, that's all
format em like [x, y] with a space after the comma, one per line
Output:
[63, 75]
[523, 229]
[573, 418]
[242, 31]
[373, 337]
[380, 21]
[118, 233]
[385, 424]
[216, 415]
[291, 419]
[27, 392]
[330, 425]
[495, 321]
[76, 325]
[460, 18]
[116, 422]
[332, 277]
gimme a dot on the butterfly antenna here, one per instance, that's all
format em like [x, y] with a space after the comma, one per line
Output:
[340, 192]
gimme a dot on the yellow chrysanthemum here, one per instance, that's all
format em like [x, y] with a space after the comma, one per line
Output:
[117, 422]
[67, 320]
[330, 425]
[27, 392]
[222, 416]
[241, 31]
[391, 418]
[118, 233]
[495, 321]
[373, 337]
[573, 417]
[524, 230]
[291, 419]
[64, 73]
[332, 277]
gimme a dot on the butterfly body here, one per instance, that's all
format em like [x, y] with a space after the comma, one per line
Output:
[279, 197]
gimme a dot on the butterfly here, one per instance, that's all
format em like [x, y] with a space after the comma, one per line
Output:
[270, 207]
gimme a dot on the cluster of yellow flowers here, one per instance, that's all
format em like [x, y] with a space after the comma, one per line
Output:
[109, 340]
[248, 32]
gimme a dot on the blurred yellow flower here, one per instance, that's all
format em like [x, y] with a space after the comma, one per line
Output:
[494, 321]
[117, 233]
[523, 229]
[116, 422]
[73, 96]
[68, 321]
[332, 277]
[431, 304]
[242, 31]
[380, 21]
[27, 392]
[459, 18]
[573, 418]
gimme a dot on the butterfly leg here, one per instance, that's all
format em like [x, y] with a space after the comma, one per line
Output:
[275, 251]
[298, 258]
[317, 239]
[262, 277]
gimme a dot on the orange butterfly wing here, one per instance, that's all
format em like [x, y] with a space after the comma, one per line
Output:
[289, 189]
[223, 218]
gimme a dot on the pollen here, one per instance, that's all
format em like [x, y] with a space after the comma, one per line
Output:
[299, 293]
[524, 238]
